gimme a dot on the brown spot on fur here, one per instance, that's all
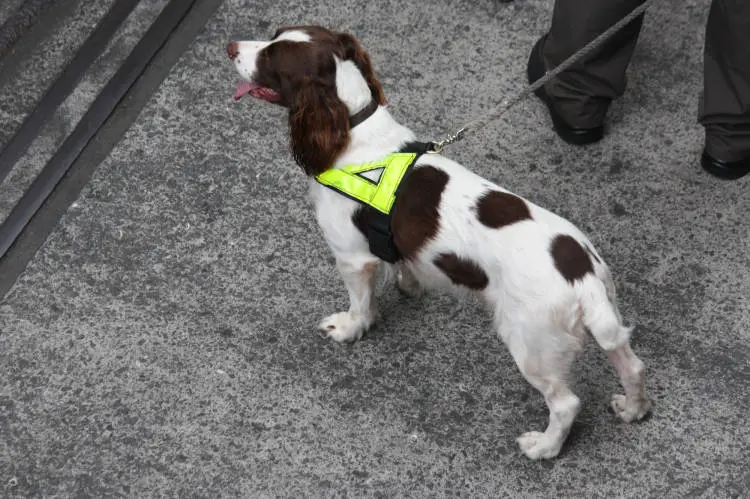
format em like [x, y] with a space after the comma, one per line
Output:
[570, 258]
[415, 217]
[497, 209]
[462, 271]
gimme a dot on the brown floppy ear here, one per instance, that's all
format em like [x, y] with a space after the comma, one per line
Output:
[353, 51]
[318, 126]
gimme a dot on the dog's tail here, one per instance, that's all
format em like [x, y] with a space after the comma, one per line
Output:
[599, 313]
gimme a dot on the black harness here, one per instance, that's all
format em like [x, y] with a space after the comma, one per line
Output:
[379, 231]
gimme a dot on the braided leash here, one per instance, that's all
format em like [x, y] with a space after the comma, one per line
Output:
[506, 104]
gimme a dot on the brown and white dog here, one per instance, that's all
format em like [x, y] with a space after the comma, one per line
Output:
[537, 273]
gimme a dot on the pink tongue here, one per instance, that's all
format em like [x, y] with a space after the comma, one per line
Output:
[243, 88]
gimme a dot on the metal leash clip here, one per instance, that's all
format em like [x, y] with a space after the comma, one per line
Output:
[437, 147]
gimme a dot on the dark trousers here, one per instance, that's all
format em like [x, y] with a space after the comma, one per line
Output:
[582, 95]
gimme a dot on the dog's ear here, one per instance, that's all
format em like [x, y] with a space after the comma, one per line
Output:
[353, 51]
[318, 126]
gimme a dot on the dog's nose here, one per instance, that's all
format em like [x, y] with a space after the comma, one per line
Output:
[233, 50]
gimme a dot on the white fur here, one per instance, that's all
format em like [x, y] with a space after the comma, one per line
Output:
[539, 315]
[351, 86]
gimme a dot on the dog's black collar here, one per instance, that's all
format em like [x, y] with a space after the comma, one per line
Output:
[360, 116]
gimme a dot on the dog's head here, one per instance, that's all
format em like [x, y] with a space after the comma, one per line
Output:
[321, 76]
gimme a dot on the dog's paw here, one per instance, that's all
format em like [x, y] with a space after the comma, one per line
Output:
[538, 445]
[343, 327]
[408, 284]
[630, 410]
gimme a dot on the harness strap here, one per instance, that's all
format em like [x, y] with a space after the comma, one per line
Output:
[377, 198]
[381, 194]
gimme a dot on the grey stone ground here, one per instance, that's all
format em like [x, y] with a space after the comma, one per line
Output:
[8, 8]
[37, 73]
[161, 342]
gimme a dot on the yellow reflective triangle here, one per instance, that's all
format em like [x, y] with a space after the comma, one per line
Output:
[381, 194]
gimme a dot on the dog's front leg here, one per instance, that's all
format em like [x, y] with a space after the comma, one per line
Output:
[359, 277]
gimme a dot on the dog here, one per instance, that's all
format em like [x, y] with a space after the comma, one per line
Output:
[541, 278]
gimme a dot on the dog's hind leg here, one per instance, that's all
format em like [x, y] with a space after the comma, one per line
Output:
[544, 355]
[635, 404]
[603, 321]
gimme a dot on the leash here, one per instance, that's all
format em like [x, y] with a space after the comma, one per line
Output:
[506, 104]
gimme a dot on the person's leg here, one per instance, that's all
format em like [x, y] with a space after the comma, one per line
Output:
[581, 96]
[725, 104]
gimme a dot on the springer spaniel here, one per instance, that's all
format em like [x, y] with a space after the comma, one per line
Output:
[538, 274]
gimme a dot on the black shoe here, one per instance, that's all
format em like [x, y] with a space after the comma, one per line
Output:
[729, 170]
[578, 136]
